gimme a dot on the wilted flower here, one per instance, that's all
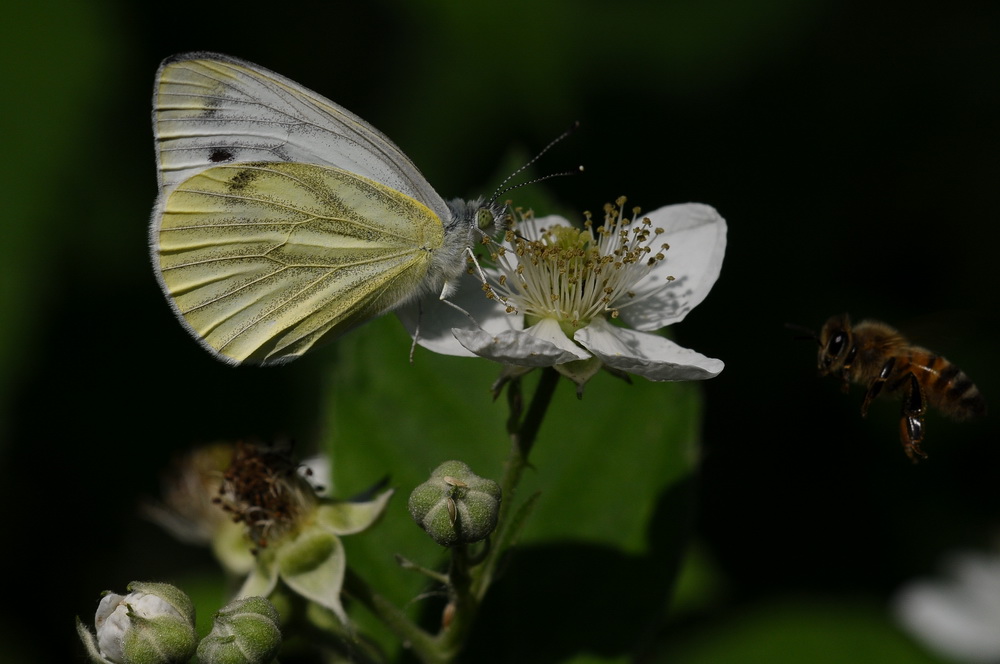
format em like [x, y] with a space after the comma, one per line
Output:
[558, 293]
[957, 616]
[295, 532]
[189, 507]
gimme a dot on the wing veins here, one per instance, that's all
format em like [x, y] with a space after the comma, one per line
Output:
[354, 263]
[362, 134]
[317, 193]
[267, 313]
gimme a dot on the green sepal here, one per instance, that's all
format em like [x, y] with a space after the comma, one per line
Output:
[313, 566]
[348, 518]
[89, 642]
[245, 631]
[456, 506]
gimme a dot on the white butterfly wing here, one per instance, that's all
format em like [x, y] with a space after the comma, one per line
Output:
[210, 109]
[282, 218]
[261, 260]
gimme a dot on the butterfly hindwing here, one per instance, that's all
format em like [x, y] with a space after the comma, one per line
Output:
[263, 259]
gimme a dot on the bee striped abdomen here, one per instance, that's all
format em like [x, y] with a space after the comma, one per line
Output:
[948, 388]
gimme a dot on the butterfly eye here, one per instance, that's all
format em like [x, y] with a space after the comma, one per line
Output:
[485, 218]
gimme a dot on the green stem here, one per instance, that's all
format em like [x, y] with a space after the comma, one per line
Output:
[523, 434]
[468, 583]
[423, 644]
[539, 406]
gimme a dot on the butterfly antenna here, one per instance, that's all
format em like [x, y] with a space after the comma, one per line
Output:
[500, 193]
[501, 190]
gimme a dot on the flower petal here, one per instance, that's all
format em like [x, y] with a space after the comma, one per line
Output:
[957, 616]
[648, 355]
[433, 319]
[318, 471]
[696, 234]
[313, 566]
[232, 548]
[263, 577]
[347, 518]
[541, 345]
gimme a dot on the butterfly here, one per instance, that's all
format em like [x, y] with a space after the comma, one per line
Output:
[283, 219]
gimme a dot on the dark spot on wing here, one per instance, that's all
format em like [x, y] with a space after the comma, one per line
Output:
[243, 179]
[219, 155]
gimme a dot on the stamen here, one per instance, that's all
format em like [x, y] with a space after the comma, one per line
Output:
[263, 490]
[574, 275]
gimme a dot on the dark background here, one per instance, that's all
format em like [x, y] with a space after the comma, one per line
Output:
[851, 146]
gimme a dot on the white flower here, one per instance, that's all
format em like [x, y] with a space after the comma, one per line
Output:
[556, 289]
[957, 617]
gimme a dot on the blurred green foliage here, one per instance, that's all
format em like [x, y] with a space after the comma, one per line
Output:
[851, 147]
[799, 629]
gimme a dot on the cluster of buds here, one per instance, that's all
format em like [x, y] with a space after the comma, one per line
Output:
[154, 624]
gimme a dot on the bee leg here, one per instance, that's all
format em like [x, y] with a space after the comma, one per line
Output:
[876, 386]
[911, 424]
[845, 370]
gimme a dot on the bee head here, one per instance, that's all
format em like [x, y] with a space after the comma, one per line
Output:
[835, 340]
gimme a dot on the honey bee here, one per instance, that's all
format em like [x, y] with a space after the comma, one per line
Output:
[876, 355]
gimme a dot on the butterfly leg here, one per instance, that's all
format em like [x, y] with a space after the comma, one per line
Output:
[475, 263]
[911, 423]
[416, 329]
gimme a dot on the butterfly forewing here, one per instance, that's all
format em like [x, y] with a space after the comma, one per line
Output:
[263, 259]
[211, 109]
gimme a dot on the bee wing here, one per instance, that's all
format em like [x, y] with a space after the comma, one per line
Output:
[210, 109]
[260, 260]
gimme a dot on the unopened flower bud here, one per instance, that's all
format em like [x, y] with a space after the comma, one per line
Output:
[245, 631]
[456, 506]
[153, 624]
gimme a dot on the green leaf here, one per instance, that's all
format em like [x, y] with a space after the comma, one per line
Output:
[603, 465]
[795, 631]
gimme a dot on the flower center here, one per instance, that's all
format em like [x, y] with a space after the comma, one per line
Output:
[263, 490]
[575, 275]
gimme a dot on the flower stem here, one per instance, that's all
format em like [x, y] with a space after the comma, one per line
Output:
[423, 644]
[469, 577]
[469, 583]
[536, 413]
[523, 433]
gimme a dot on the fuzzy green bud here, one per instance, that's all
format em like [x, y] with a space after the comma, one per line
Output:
[245, 631]
[456, 506]
[153, 624]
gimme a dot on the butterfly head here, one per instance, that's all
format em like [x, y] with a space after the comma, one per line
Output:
[487, 216]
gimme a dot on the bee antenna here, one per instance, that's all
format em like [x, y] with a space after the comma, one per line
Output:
[501, 190]
[807, 334]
